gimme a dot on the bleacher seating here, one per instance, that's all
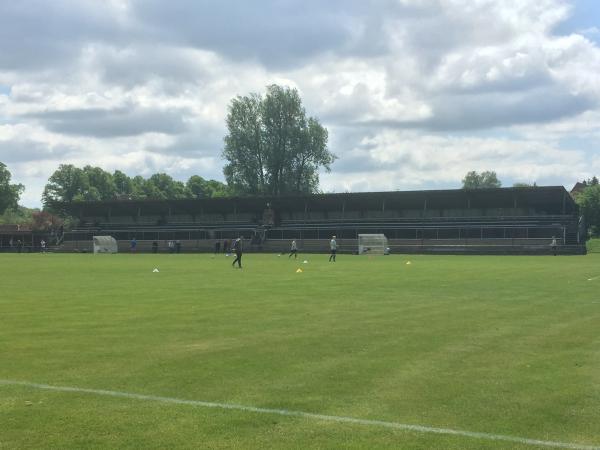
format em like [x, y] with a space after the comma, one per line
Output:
[484, 234]
[461, 221]
[181, 218]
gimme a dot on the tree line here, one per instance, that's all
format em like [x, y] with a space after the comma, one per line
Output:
[589, 204]
[487, 179]
[69, 183]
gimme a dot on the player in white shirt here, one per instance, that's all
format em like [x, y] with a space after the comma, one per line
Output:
[293, 249]
[333, 249]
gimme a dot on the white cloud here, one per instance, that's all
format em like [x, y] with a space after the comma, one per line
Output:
[590, 31]
[404, 160]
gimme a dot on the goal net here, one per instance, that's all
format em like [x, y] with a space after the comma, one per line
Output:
[372, 244]
[105, 244]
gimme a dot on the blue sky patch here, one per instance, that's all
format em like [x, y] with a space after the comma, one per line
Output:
[585, 19]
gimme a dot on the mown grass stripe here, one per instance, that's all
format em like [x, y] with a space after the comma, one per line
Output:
[285, 412]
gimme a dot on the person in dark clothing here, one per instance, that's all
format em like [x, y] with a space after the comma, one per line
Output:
[237, 248]
[155, 247]
[217, 247]
[19, 246]
[178, 246]
[225, 246]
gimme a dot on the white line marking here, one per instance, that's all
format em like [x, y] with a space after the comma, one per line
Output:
[307, 415]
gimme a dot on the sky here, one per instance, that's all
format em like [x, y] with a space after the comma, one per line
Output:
[414, 93]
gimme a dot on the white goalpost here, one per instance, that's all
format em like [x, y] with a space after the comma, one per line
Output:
[105, 244]
[372, 244]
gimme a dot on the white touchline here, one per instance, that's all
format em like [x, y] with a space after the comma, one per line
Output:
[285, 412]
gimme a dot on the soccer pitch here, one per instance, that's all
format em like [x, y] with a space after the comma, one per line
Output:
[449, 352]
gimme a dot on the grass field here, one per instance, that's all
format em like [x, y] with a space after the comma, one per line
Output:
[497, 345]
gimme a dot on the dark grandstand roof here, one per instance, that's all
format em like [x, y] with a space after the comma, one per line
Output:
[554, 199]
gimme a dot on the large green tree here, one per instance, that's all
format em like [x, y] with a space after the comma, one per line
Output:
[164, 187]
[487, 179]
[17, 216]
[123, 185]
[66, 184]
[100, 184]
[589, 205]
[215, 188]
[69, 183]
[9, 193]
[244, 150]
[272, 147]
[198, 187]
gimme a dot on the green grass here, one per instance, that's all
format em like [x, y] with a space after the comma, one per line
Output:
[593, 245]
[502, 345]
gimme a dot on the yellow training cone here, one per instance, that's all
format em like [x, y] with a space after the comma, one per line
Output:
[299, 271]
[408, 262]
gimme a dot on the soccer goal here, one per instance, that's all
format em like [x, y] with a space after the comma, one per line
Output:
[372, 244]
[105, 244]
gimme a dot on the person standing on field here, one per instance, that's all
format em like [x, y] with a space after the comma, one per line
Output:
[237, 248]
[333, 249]
[293, 250]
[43, 245]
[133, 245]
[553, 245]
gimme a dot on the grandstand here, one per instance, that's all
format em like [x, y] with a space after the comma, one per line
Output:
[482, 221]
[10, 235]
